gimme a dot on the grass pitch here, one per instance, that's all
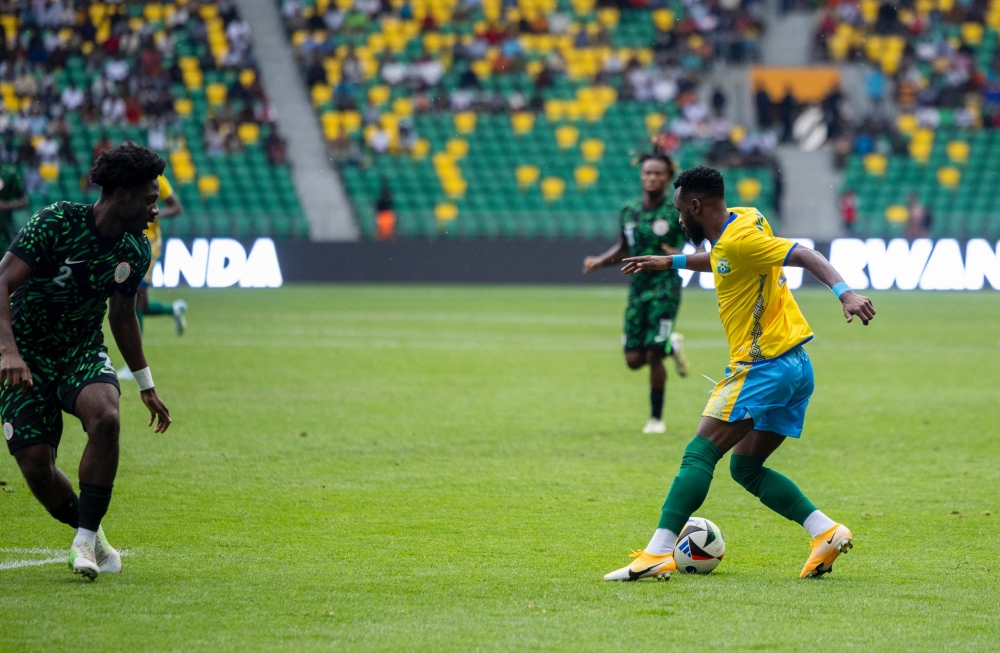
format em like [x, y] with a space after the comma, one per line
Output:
[454, 468]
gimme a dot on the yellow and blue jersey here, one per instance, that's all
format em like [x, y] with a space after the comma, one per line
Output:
[761, 318]
[153, 231]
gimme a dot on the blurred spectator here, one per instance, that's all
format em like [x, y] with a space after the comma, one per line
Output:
[275, 148]
[919, 223]
[765, 108]
[385, 215]
[849, 210]
[786, 111]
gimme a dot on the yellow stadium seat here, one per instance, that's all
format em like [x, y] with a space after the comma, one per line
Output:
[49, 171]
[572, 110]
[249, 132]
[958, 151]
[193, 79]
[421, 148]
[522, 122]
[379, 95]
[946, 5]
[184, 173]
[875, 164]
[663, 19]
[586, 176]
[403, 107]
[906, 123]
[737, 134]
[654, 121]
[183, 106]
[869, 10]
[445, 212]
[972, 33]
[554, 110]
[566, 137]
[948, 176]
[526, 175]
[153, 12]
[609, 17]
[443, 160]
[482, 68]
[465, 122]
[208, 11]
[247, 77]
[321, 94]
[208, 185]
[592, 149]
[924, 7]
[553, 188]
[350, 121]
[897, 213]
[454, 187]
[920, 150]
[457, 148]
[748, 189]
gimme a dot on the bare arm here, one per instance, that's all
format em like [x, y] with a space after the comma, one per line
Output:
[610, 257]
[172, 207]
[819, 267]
[14, 372]
[125, 329]
[699, 262]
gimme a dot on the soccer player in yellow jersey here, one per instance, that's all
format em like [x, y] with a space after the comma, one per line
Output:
[762, 399]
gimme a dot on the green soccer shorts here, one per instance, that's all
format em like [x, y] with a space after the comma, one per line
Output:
[649, 321]
[34, 415]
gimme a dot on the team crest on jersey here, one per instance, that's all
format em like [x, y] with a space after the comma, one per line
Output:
[8, 431]
[122, 272]
[722, 267]
[661, 227]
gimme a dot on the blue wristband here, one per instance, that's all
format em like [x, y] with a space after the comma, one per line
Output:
[679, 262]
[840, 288]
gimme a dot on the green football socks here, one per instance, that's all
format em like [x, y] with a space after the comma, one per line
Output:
[690, 486]
[774, 490]
[159, 308]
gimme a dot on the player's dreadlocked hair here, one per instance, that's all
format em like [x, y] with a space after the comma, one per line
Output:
[125, 166]
[657, 156]
[702, 181]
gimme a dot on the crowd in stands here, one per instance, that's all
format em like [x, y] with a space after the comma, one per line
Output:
[68, 63]
[938, 60]
[509, 56]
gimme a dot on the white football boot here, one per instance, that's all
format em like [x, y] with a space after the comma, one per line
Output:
[180, 316]
[680, 358]
[654, 426]
[109, 561]
[82, 561]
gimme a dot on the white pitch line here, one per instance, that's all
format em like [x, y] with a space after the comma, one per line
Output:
[16, 564]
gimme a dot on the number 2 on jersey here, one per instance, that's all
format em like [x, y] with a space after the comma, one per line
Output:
[64, 273]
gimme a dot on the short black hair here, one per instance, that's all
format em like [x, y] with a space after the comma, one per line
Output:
[658, 156]
[126, 166]
[702, 181]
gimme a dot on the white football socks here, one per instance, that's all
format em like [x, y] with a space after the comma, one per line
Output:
[662, 543]
[817, 523]
[83, 535]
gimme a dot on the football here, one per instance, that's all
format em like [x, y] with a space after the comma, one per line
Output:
[699, 547]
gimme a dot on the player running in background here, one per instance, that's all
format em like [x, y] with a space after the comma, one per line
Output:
[762, 399]
[172, 208]
[650, 226]
[56, 281]
[12, 197]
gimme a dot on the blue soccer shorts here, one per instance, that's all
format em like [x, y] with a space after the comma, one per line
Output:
[773, 393]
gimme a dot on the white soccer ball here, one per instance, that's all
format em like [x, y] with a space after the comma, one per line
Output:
[699, 547]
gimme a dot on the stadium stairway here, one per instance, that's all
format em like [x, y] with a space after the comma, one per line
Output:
[320, 191]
